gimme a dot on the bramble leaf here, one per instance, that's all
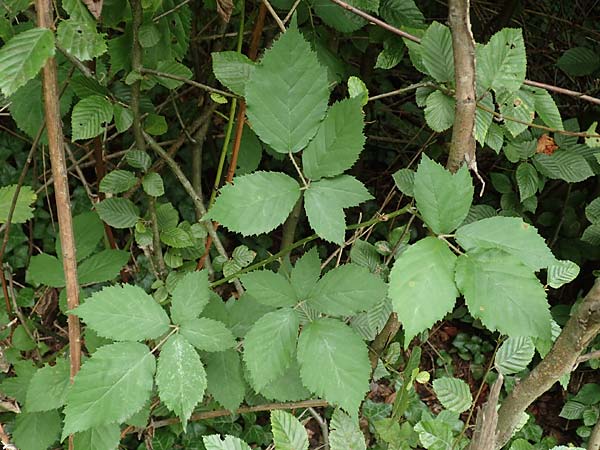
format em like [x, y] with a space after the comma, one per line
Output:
[288, 432]
[190, 296]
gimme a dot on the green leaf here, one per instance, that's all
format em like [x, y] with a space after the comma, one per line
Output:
[519, 105]
[47, 270]
[190, 296]
[269, 288]
[358, 88]
[436, 47]
[340, 19]
[401, 13]
[305, 273]
[502, 62]
[48, 387]
[324, 201]
[290, 72]
[155, 124]
[527, 180]
[207, 334]
[483, 118]
[149, 35]
[23, 211]
[153, 184]
[277, 331]
[90, 116]
[22, 57]
[88, 230]
[347, 290]
[172, 67]
[103, 266]
[344, 433]
[547, 109]
[124, 313]
[16, 387]
[561, 273]
[180, 377]
[514, 355]
[422, 286]
[177, 238]
[233, 70]
[495, 137]
[288, 387]
[442, 198]
[256, 203]
[510, 234]
[453, 393]
[250, 152]
[439, 111]
[579, 61]
[118, 212]
[288, 432]
[591, 234]
[503, 293]
[592, 211]
[225, 378]
[36, 430]
[138, 159]
[111, 386]
[103, 437]
[563, 165]
[392, 53]
[214, 442]
[117, 181]
[572, 410]
[338, 142]
[341, 373]
[80, 39]
[405, 181]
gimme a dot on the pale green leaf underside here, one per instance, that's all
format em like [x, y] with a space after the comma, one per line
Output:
[232, 69]
[453, 394]
[514, 355]
[111, 386]
[90, 116]
[422, 286]
[296, 84]
[436, 48]
[256, 203]
[288, 432]
[344, 433]
[214, 442]
[561, 273]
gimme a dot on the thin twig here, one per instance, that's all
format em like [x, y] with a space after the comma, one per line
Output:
[274, 15]
[291, 11]
[409, 88]
[188, 81]
[323, 425]
[172, 10]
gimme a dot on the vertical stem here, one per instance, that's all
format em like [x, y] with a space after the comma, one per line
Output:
[136, 65]
[289, 228]
[157, 249]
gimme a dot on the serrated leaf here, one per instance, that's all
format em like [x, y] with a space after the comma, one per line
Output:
[90, 116]
[287, 387]
[439, 111]
[547, 109]
[269, 288]
[112, 385]
[81, 39]
[453, 393]
[484, 118]
[519, 105]
[176, 238]
[103, 266]
[437, 54]
[288, 432]
[180, 377]
[22, 57]
[572, 410]
[225, 378]
[365, 254]
[495, 137]
[422, 286]
[46, 269]
[123, 118]
[392, 53]
[23, 211]
[256, 203]
[305, 273]
[36, 430]
[510, 234]
[503, 293]
[502, 62]
[138, 159]
[172, 67]
[214, 442]
[124, 313]
[118, 212]
[527, 180]
[341, 373]
[103, 437]
[117, 181]
[442, 198]
[579, 61]
[338, 142]
[561, 273]
[207, 334]
[347, 290]
[190, 296]
[153, 184]
[591, 234]
[344, 433]
[48, 387]
[592, 210]
[277, 331]
[233, 70]
[563, 165]
[401, 13]
[405, 181]
[514, 355]
[290, 72]
[338, 18]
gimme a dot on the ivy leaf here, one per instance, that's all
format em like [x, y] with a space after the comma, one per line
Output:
[103, 437]
[290, 72]
[453, 393]
[117, 181]
[269, 288]
[233, 70]
[345, 433]
[347, 290]
[422, 285]
[111, 386]
[118, 212]
[503, 293]
[561, 273]
[190, 296]
[341, 373]
[509, 234]
[180, 377]
[305, 273]
[48, 387]
[288, 432]
[90, 116]
[225, 378]
[207, 334]
[80, 39]
[23, 211]
[22, 57]
[514, 355]
[502, 62]
[442, 198]
[103, 266]
[256, 203]
[338, 142]
[277, 331]
[438, 57]
[563, 165]
[124, 313]
[439, 111]
[214, 442]
[36, 430]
